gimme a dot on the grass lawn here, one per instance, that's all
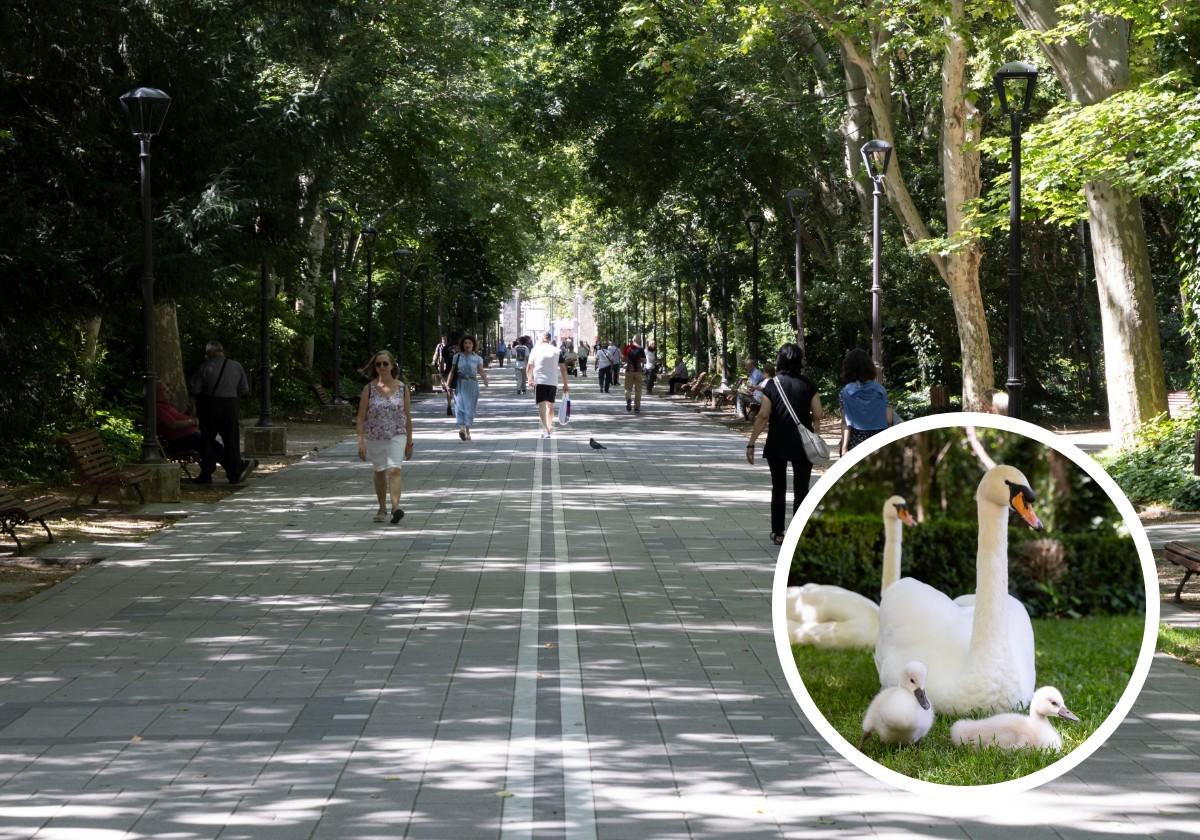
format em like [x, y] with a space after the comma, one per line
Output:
[1090, 660]
[1180, 642]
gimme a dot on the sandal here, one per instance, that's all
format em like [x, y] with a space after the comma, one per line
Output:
[777, 538]
[381, 516]
[397, 515]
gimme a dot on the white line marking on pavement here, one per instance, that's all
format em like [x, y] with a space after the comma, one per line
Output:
[516, 816]
[580, 804]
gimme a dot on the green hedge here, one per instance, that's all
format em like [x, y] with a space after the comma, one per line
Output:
[1094, 573]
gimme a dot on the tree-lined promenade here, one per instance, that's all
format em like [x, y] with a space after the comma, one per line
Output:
[439, 157]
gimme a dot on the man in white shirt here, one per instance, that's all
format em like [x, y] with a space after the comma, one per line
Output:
[540, 371]
[603, 366]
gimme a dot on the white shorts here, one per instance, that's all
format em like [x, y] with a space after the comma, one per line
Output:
[386, 454]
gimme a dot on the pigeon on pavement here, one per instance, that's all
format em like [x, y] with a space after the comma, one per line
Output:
[592, 443]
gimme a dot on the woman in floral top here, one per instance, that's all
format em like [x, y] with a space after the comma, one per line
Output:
[385, 431]
[468, 371]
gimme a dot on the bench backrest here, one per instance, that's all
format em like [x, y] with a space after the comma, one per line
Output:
[321, 394]
[91, 457]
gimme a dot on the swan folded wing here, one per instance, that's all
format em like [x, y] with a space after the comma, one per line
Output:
[918, 622]
[831, 617]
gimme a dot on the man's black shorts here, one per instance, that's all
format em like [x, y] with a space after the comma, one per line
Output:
[545, 393]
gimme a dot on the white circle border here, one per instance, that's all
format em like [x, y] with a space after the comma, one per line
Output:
[981, 794]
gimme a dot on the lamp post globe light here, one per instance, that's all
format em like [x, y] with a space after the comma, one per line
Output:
[146, 109]
[754, 226]
[876, 156]
[403, 258]
[370, 237]
[336, 214]
[1018, 78]
[797, 202]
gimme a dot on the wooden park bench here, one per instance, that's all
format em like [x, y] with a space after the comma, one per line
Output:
[322, 395]
[14, 512]
[728, 397]
[184, 457]
[96, 469]
[689, 389]
[1187, 557]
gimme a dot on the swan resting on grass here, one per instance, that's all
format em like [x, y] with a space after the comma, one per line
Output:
[1012, 732]
[900, 714]
[833, 617]
[979, 653]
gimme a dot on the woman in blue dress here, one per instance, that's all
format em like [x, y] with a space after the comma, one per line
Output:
[468, 370]
[865, 409]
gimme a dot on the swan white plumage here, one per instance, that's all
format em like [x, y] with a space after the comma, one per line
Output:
[902, 713]
[833, 617]
[1011, 731]
[979, 654]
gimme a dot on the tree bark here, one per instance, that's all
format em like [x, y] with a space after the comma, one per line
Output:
[310, 281]
[1090, 72]
[168, 353]
[960, 178]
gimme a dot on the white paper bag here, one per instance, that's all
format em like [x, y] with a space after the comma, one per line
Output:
[564, 411]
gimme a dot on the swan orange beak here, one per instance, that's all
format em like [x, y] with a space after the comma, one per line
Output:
[922, 698]
[905, 516]
[1023, 509]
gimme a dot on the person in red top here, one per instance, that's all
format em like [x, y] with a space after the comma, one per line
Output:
[178, 432]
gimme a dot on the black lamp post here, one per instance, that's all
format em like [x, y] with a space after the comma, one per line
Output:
[266, 291]
[797, 202]
[678, 316]
[369, 237]
[876, 156]
[403, 257]
[421, 272]
[723, 254]
[336, 214]
[1022, 77]
[754, 226]
[146, 108]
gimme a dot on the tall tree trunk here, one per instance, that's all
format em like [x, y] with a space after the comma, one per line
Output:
[168, 353]
[310, 281]
[90, 353]
[1090, 72]
[867, 69]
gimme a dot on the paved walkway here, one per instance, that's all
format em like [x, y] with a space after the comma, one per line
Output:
[555, 642]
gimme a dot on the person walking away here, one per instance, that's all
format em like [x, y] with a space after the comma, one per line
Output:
[544, 361]
[216, 386]
[614, 356]
[864, 402]
[679, 376]
[501, 352]
[585, 350]
[651, 372]
[784, 445]
[444, 358]
[520, 354]
[635, 364]
[468, 369]
[603, 367]
[384, 427]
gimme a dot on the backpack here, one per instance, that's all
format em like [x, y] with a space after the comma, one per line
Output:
[636, 360]
[521, 354]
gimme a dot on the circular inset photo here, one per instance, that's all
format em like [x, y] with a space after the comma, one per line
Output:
[965, 605]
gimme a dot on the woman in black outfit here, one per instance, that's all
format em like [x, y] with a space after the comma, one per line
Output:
[783, 444]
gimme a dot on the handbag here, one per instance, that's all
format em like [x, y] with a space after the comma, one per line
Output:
[815, 449]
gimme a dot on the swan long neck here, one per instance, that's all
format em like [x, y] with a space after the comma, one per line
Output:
[991, 582]
[893, 535]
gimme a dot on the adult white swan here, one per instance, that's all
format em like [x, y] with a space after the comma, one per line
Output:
[980, 654]
[832, 617]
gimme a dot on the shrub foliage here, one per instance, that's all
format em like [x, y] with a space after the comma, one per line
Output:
[1096, 573]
